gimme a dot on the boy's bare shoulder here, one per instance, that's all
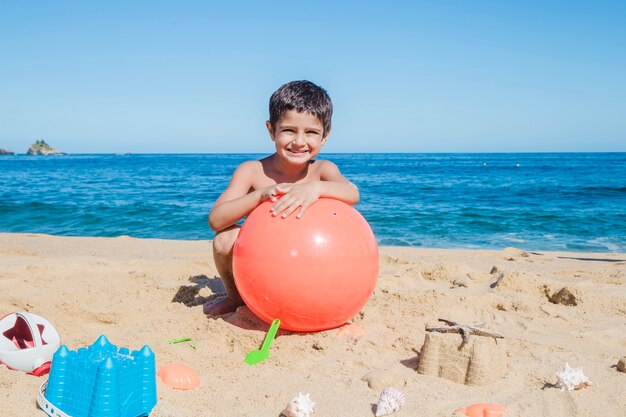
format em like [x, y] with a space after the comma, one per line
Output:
[246, 173]
[251, 164]
[324, 165]
[249, 167]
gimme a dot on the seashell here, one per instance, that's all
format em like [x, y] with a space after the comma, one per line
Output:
[390, 401]
[179, 376]
[571, 379]
[300, 406]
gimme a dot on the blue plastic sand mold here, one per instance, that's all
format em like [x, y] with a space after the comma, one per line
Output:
[100, 380]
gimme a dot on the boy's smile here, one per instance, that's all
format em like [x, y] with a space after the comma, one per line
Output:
[298, 137]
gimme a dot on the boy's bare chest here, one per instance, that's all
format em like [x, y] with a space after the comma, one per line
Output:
[263, 180]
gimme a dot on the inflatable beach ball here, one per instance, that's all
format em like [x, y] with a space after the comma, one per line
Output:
[313, 273]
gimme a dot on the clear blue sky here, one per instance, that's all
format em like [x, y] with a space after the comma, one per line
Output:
[413, 76]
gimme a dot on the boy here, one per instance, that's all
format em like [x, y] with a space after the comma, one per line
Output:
[299, 124]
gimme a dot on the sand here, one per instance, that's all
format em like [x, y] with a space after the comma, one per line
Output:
[146, 291]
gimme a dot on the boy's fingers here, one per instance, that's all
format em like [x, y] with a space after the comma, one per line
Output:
[278, 208]
[302, 210]
[284, 202]
[287, 212]
[291, 208]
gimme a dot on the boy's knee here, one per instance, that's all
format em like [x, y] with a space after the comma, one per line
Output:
[225, 240]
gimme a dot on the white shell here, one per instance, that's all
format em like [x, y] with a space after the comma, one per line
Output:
[300, 406]
[390, 401]
[571, 378]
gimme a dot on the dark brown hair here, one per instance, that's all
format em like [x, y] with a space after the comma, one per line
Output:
[302, 96]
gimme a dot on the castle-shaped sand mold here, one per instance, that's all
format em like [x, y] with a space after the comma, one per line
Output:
[102, 380]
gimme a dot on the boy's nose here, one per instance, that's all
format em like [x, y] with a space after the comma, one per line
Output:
[299, 140]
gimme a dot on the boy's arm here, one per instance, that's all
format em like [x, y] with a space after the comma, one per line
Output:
[331, 184]
[237, 200]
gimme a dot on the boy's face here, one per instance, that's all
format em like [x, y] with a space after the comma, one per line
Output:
[298, 137]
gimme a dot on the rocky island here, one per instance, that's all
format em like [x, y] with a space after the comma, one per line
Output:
[6, 152]
[40, 147]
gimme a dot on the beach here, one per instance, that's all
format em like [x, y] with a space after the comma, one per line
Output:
[150, 291]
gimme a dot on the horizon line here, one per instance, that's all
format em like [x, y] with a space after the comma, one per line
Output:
[325, 153]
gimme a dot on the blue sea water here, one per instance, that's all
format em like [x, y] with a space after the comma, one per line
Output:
[534, 201]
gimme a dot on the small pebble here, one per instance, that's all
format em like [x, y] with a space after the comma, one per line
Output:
[564, 297]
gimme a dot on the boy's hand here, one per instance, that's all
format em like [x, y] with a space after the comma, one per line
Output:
[294, 196]
[271, 193]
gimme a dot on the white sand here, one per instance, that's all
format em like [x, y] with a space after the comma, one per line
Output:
[124, 288]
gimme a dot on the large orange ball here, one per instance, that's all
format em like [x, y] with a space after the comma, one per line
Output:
[313, 273]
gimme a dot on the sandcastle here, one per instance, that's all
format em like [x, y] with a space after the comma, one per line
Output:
[101, 380]
[461, 359]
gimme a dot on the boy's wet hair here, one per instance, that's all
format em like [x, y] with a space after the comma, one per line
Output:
[302, 96]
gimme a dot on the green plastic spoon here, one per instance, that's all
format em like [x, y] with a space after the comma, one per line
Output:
[255, 356]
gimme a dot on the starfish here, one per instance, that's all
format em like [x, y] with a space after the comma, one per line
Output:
[465, 330]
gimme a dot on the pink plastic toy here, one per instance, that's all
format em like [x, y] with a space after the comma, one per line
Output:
[179, 376]
[483, 410]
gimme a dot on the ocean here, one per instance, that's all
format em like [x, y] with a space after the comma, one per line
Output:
[532, 201]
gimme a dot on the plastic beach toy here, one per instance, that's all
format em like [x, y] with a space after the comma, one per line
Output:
[100, 380]
[184, 339]
[483, 410]
[27, 342]
[179, 376]
[255, 356]
[326, 264]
